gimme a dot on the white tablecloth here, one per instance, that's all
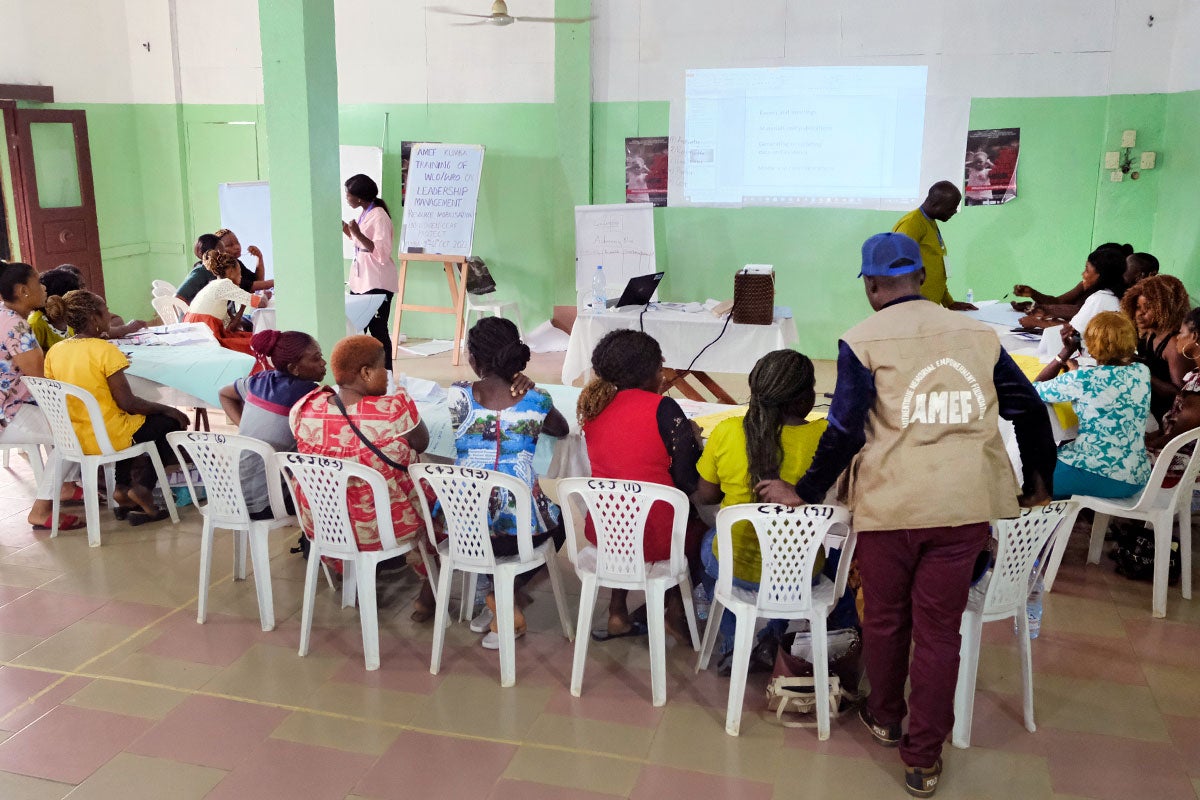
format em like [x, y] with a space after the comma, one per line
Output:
[359, 310]
[682, 335]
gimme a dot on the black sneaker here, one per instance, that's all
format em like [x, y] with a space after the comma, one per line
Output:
[886, 735]
[922, 781]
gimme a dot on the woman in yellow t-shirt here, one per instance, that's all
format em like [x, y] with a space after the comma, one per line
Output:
[96, 365]
[773, 440]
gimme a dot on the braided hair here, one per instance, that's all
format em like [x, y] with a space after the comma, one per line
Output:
[495, 344]
[79, 307]
[623, 359]
[782, 381]
[282, 348]
[219, 263]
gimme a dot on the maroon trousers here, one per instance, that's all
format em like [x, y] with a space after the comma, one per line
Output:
[915, 585]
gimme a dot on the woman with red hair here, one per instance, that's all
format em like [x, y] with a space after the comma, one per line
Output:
[360, 422]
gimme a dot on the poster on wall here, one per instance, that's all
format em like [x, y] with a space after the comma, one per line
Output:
[990, 175]
[646, 170]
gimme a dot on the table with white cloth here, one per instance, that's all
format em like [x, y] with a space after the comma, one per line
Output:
[555, 458]
[682, 335]
[185, 375]
[360, 308]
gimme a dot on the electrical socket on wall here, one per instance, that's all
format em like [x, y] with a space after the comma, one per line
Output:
[1112, 160]
[1116, 176]
[1148, 159]
[1129, 139]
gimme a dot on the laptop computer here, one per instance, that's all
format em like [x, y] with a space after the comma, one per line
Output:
[638, 291]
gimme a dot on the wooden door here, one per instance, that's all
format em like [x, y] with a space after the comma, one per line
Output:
[52, 185]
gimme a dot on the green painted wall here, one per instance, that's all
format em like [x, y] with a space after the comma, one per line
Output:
[1177, 234]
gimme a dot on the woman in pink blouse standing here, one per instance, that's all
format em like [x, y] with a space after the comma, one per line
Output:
[374, 269]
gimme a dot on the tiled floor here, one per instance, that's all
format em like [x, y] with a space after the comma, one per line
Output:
[109, 689]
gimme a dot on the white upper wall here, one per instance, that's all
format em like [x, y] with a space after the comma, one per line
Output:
[400, 51]
[982, 48]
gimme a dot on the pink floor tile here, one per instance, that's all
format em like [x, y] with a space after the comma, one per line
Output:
[210, 732]
[22, 715]
[1116, 768]
[665, 783]
[1157, 641]
[220, 641]
[999, 724]
[420, 765]
[135, 615]
[42, 613]
[69, 744]
[402, 669]
[604, 704]
[1185, 732]
[1097, 658]
[18, 685]
[848, 738]
[279, 770]
[18, 533]
[527, 790]
[10, 593]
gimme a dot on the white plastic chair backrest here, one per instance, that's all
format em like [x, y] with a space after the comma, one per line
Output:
[465, 494]
[170, 309]
[1162, 466]
[323, 482]
[162, 291]
[1020, 542]
[52, 398]
[788, 540]
[618, 510]
[157, 286]
[218, 457]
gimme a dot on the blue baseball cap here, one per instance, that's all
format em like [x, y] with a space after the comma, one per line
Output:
[890, 254]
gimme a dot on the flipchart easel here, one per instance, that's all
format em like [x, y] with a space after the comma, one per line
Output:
[439, 225]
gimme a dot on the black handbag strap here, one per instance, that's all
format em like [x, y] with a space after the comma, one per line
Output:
[337, 401]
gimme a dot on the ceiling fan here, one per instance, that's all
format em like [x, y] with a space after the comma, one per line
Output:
[500, 16]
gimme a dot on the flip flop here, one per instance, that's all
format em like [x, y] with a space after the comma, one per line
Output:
[76, 497]
[137, 518]
[123, 512]
[66, 522]
[602, 634]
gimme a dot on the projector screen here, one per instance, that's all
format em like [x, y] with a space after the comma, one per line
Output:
[845, 136]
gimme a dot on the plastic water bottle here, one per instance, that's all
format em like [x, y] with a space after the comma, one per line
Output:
[970, 296]
[701, 600]
[599, 290]
[1033, 609]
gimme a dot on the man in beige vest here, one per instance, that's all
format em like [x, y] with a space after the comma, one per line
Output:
[914, 418]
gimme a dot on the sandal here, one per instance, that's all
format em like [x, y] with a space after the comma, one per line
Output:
[140, 517]
[66, 522]
[76, 497]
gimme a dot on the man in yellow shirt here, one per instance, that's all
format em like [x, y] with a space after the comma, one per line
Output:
[921, 225]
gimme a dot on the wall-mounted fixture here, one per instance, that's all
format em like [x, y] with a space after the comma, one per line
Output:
[1121, 162]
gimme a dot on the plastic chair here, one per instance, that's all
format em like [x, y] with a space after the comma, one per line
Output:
[465, 495]
[1157, 505]
[162, 291]
[789, 540]
[32, 451]
[158, 287]
[218, 457]
[1002, 595]
[170, 309]
[323, 482]
[497, 308]
[618, 510]
[52, 397]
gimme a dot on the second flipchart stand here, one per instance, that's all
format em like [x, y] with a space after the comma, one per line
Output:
[439, 225]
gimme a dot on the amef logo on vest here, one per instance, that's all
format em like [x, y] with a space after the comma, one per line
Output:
[945, 407]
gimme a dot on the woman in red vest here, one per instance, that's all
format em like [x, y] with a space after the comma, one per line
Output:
[634, 433]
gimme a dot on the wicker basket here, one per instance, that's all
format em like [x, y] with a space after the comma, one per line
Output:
[753, 298]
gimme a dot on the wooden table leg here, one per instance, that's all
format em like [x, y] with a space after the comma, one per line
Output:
[677, 379]
[456, 276]
[714, 387]
[399, 308]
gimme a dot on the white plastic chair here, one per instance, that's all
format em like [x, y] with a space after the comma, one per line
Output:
[170, 309]
[218, 458]
[32, 451]
[618, 510]
[465, 494]
[508, 309]
[789, 540]
[1159, 507]
[162, 291]
[160, 287]
[52, 397]
[323, 482]
[1001, 595]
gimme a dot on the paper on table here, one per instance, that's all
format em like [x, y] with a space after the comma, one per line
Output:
[430, 348]
[179, 333]
[546, 338]
[422, 390]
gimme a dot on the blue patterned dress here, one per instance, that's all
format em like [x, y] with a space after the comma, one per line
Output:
[504, 441]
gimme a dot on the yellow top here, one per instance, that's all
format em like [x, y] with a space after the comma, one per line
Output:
[925, 232]
[88, 363]
[45, 333]
[725, 463]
